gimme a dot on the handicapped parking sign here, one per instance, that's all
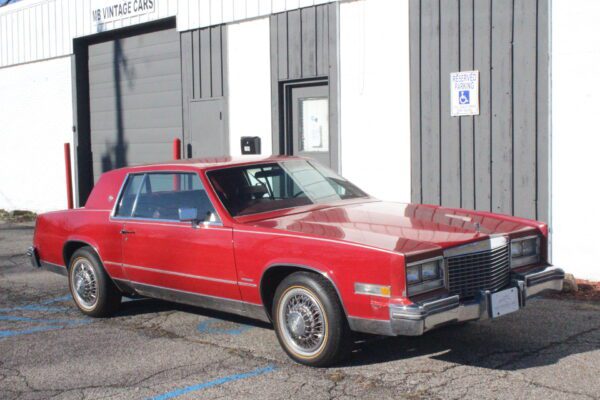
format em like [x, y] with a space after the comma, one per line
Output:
[464, 93]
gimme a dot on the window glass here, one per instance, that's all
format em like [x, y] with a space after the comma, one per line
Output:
[314, 123]
[163, 194]
[267, 187]
[128, 197]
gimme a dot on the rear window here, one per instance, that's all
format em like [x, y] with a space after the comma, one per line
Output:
[267, 187]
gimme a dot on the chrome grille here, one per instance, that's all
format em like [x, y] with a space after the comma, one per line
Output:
[484, 270]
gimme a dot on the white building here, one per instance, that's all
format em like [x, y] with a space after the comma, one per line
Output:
[120, 80]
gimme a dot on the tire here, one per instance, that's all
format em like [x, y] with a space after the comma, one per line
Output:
[100, 298]
[309, 320]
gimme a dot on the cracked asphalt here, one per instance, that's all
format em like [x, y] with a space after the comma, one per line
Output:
[160, 350]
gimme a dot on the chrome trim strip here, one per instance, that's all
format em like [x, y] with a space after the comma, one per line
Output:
[162, 271]
[239, 307]
[493, 242]
[51, 267]
[167, 222]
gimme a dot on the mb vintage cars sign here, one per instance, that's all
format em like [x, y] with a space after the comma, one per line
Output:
[464, 93]
[104, 11]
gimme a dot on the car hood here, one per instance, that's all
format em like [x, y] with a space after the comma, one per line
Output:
[403, 228]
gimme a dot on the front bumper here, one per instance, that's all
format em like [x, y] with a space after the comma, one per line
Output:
[416, 319]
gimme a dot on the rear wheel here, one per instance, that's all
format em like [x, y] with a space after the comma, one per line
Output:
[309, 320]
[93, 291]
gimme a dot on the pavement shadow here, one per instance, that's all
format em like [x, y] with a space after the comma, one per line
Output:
[149, 306]
[483, 344]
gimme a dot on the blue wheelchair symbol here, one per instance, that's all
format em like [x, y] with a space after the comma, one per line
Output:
[464, 97]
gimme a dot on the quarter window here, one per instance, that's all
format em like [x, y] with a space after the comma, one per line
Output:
[161, 195]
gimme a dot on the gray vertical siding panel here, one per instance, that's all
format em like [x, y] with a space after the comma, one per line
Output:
[205, 70]
[467, 151]
[498, 160]
[282, 45]
[216, 61]
[543, 111]
[430, 101]
[187, 80]
[275, 73]
[415, 98]
[322, 44]
[309, 45]
[197, 91]
[294, 52]
[502, 118]
[482, 122]
[524, 113]
[450, 130]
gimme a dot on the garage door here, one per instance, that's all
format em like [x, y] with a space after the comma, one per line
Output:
[135, 99]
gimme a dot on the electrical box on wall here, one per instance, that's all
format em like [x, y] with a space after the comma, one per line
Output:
[250, 145]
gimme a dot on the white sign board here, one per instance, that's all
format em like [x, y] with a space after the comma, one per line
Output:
[104, 11]
[464, 93]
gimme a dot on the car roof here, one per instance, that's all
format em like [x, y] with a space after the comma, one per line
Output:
[213, 162]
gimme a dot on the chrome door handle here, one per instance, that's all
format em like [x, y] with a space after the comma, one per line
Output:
[125, 232]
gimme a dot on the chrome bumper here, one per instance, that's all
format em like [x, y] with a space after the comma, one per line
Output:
[33, 257]
[416, 319]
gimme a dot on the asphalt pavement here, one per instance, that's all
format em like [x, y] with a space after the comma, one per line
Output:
[159, 350]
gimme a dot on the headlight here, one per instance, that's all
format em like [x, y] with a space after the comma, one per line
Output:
[525, 251]
[413, 274]
[424, 276]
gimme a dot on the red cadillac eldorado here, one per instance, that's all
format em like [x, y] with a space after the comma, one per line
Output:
[286, 240]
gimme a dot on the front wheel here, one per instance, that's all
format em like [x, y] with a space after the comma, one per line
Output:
[309, 320]
[93, 291]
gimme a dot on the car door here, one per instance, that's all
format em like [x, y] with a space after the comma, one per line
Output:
[168, 258]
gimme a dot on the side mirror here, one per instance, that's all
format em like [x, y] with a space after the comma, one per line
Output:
[188, 215]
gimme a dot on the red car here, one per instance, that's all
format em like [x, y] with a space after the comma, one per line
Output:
[286, 240]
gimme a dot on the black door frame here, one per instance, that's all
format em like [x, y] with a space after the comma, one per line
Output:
[285, 124]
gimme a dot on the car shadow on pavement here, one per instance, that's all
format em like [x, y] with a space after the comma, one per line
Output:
[484, 344]
[142, 306]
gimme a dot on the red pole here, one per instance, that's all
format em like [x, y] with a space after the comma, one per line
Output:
[68, 175]
[177, 156]
[177, 149]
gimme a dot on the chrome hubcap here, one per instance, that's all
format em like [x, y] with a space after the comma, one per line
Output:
[302, 322]
[85, 284]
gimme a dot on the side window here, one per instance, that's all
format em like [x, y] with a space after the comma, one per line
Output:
[127, 200]
[163, 194]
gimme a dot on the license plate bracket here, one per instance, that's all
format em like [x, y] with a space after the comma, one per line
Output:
[504, 302]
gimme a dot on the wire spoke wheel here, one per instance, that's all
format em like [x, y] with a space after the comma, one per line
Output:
[85, 284]
[302, 322]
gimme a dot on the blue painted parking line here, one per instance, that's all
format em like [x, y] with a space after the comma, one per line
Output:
[216, 382]
[210, 326]
[42, 306]
[38, 324]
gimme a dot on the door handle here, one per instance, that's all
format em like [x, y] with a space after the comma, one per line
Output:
[125, 232]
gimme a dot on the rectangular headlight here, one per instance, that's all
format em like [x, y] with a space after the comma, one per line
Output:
[424, 276]
[525, 251]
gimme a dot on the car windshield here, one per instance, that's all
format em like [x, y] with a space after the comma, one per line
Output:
[266, 187]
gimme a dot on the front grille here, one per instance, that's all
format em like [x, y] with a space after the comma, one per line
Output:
[485, 270]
